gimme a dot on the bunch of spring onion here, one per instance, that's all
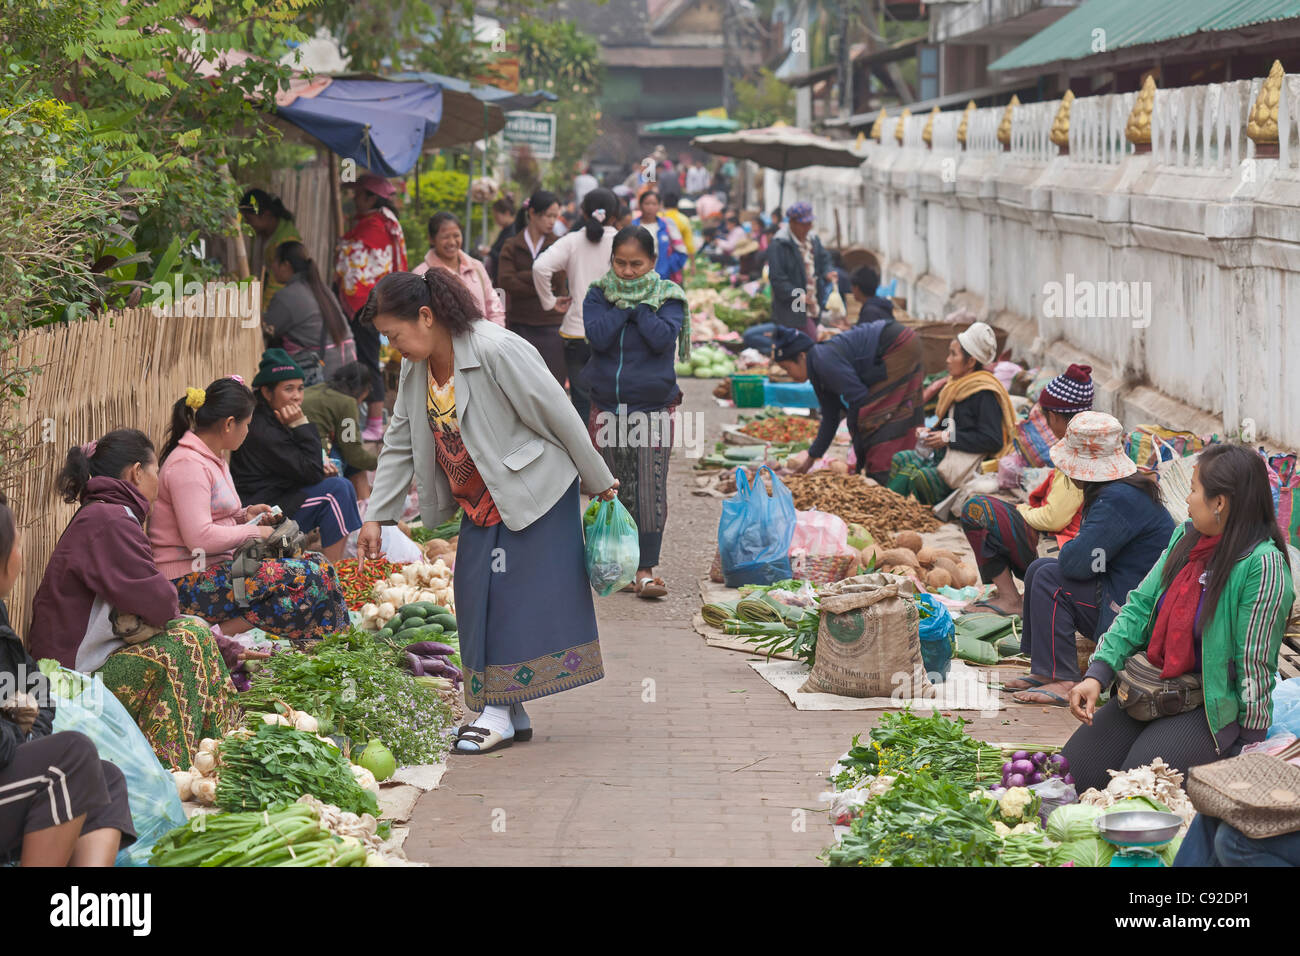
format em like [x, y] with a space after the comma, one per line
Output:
[290, 835]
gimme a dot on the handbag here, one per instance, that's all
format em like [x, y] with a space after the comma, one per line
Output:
[1257, 793]
[1144, 695]
[956, 466]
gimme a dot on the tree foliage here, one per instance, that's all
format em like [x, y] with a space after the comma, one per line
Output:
[764, 101]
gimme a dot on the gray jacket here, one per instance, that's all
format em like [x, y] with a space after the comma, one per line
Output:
[517, 424]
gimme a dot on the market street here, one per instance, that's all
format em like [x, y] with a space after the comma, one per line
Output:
[710, 771]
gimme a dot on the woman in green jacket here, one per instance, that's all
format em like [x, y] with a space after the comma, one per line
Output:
[1216, 605]
[332, 407]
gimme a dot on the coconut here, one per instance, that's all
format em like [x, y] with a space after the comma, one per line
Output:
[925, 556]
[910, 540]
[946, 564]
[938, 578]
[897, 556]
[967, 575]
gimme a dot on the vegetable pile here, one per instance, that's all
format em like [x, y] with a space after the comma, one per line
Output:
[358, 684]
[1024, 768]
[707, 361]
[1156, 781]
[934, 567]
[1074, 828]
[776, 618]
[782, 429]
[357, 583]
[882, 512]
[277, 764]
[413, 583]
[904, 741]
[292, 835]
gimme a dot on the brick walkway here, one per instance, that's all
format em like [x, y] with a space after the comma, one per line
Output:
[682, 755]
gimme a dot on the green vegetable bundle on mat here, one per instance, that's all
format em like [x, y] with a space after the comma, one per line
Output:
[904, 742]
[359, 685]
[718, 613]
[925, 819]
[282, 836]
[278, 764]
[984, 638]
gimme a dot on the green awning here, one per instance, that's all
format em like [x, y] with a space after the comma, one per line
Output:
[1130, 24]
[692, 126]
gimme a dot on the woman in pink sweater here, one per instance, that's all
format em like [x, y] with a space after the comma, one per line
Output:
[198, 523]
[445, 253]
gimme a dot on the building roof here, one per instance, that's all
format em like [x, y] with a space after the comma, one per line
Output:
[614, 23]
[1124, 24]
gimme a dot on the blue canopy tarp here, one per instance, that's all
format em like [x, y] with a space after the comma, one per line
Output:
[382, 124]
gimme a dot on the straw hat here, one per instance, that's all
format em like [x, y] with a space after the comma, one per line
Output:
[1093, 449]
[745, 248]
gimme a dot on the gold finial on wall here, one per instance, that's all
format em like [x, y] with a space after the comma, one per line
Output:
[1004, 128]
[1061, 124]
[878, 126]
[902, 121]
[965, 122]
[927, 134]
[1262, 127]
[1138, 128]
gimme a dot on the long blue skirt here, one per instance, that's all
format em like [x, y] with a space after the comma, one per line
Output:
[526, 618]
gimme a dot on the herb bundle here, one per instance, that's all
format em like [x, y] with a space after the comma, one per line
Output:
[277, 764]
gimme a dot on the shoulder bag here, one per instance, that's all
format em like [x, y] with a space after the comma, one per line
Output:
[1144, 695]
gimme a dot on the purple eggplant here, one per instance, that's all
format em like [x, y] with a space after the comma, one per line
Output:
[1006, 768]
[438, 667]
[1023, 767]
[1059, 763]
[1037, 777]
[415, 664]
[1068, 778]
[430, 649]
[1020, 755]
[1016, 780]
[1039, 759]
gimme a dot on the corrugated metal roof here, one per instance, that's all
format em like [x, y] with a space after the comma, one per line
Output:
[1127, 24]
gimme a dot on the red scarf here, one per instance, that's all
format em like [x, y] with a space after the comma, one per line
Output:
[1173, 640]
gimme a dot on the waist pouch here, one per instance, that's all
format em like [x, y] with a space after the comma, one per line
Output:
[1144, 695]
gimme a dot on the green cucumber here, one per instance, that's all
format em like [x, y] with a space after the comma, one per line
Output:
[417, 634]
[448, 621]
[408, 611]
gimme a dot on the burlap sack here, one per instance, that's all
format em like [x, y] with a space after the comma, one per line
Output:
[868, 643]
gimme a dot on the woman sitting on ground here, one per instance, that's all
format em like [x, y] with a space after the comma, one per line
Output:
[332, 407]
[60, 804]
[198, 523]
[1123, 530]
[304, 316]
[634, 321]
[980, 423]
[1005, 537]
[1215, 605]
[281, 462]
[176, 684]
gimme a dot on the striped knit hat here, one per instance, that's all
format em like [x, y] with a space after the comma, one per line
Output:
[1070, 392]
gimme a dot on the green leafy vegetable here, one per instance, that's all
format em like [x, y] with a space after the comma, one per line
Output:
[278, 764]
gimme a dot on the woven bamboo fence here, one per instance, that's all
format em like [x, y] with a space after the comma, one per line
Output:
[126, 369]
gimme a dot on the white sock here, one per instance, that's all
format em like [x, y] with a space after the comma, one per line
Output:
[519, 717]
[493, 718]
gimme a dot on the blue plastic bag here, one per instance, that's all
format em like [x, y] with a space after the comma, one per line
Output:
[155, 805]
[755, 530]
[937, 631]
[613, 548]
[1286, 708]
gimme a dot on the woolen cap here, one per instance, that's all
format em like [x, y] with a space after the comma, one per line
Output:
[1093, 449]
[1070, 391]
[276, 366]
[788, 344]
[980, 342]
[800, 212]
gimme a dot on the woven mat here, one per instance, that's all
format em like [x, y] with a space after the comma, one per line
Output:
[967, 688]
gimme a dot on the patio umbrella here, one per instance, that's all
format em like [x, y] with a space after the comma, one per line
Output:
[779, 147]
[692, 126]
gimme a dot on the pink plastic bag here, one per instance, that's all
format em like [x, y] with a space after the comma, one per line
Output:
[820, 532]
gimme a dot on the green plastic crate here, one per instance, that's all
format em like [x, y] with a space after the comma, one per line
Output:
[747, 391]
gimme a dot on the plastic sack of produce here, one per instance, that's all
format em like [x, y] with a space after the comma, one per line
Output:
[1286, 708]
[1054, 792]
[84, 704]
[819, 549]
[755, 530]
[936, 630]
[613, 548]
[868, 643]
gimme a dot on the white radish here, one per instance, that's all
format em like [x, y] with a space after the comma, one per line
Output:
[205, 761]
[205, 790]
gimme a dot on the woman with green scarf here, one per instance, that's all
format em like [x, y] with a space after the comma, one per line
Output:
[637, 325]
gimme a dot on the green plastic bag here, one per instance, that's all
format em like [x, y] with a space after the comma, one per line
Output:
[613, 548]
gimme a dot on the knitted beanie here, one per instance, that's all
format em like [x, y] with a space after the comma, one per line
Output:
[1069, 392]
[276, 366]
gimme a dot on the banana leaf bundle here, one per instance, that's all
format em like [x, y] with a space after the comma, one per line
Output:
[718, 613]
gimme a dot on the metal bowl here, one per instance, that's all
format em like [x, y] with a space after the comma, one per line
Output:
[1139, 827]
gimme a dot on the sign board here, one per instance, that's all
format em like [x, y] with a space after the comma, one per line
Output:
[534, 130]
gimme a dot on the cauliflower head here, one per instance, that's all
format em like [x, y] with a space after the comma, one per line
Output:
[1014, 802]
